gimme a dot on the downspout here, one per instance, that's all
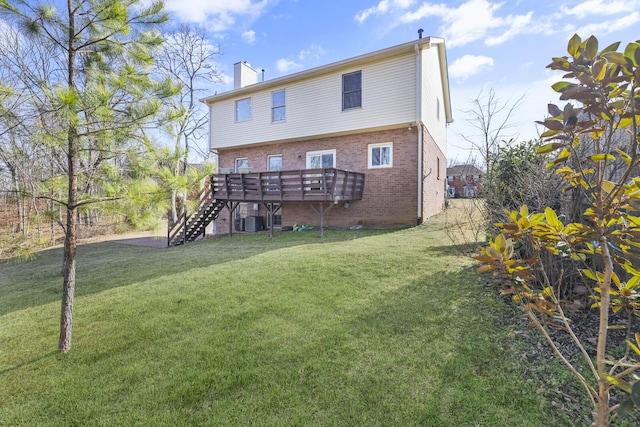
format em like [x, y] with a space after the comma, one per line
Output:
[419, 126]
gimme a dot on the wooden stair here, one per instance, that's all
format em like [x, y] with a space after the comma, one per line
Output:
[189, 228]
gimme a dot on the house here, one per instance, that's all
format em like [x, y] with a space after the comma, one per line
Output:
[464, 180]
[361, 141]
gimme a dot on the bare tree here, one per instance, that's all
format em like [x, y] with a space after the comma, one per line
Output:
[492, 118]
[189, 60]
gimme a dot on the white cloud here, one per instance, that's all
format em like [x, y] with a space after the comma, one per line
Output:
[471, 21]
[249, 36]
[600, 7]
[518, 24]
[313, 51]
[382, 8]
[286, 66]
[606, 27]
[219, 15]
[469, 65]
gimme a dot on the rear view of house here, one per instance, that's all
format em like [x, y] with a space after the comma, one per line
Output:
[357, 142]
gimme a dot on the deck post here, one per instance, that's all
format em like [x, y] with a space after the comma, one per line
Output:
[320, 210]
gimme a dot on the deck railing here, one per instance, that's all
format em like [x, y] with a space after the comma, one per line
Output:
[313, 185]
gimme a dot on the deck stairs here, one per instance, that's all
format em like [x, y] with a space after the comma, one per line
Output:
[189, 228]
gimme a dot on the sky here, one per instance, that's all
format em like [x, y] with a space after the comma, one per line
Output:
[500, 46]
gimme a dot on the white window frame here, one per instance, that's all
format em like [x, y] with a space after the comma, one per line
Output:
[370, 149]
[237, 110]
[320, 153]
[277, 107]
[235, 164]
[345, 92]
[269, 162]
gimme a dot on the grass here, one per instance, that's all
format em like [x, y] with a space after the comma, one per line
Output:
[360, 327]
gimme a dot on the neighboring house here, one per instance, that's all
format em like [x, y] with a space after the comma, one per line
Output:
[357, 142]
[464, 180]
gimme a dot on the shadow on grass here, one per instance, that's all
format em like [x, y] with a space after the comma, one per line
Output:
[464, 249]
[108, 265]
[29, 362]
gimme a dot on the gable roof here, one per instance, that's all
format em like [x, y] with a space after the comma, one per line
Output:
[412, 46]
[463, 170]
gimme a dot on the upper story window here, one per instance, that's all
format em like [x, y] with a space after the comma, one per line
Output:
[278, 110]
[381, 155]
[274, 163]
[321, 159]
[243, 109]
[352, 90]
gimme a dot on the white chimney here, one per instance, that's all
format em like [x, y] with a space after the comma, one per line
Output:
[243, 75]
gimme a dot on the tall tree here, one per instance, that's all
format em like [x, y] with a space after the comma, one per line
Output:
[95, 102]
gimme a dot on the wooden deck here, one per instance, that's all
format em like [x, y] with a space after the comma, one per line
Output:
[305, 185]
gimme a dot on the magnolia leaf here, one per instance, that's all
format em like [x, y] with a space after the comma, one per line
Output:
[562, 86]
[599, 69]
[625, 122]
[552, 218]
[547, 148]
[574, 45]
[602, 157]
[589, 274]
[485, 269]
[615, 57]
[591, 48]
[625, 156]
[547, 133]
[630, 52]
[611, 48]
[554, 110]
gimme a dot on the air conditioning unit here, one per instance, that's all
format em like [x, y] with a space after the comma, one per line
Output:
[254, 223]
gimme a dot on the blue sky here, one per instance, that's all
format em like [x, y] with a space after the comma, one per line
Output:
[499, 45]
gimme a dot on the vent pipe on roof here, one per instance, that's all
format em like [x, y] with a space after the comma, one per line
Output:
[263, 75]
[420, 31]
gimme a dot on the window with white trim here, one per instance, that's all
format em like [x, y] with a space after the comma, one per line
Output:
[352, 90]
[278, 106]
[380, 155]
[274, 162]
[242, 163]
[321, 159]
[243, 109]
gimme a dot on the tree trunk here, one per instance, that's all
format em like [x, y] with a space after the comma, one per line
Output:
[69, 278]
[70, 238]
[604, 386]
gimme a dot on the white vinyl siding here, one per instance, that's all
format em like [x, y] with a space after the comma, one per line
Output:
[433, 115]
[314, 106]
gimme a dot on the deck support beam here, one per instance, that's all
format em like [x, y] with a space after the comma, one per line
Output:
[231, 206]
[322, 209]
[272, 208]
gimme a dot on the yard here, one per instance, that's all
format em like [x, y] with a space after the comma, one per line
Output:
[360, 327]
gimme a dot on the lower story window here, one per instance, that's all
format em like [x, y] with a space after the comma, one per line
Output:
[321, 159]
[381, 155]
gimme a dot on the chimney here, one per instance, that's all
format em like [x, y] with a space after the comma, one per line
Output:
[243, 75]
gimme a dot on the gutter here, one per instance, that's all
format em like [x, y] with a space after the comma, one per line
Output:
[418, 52]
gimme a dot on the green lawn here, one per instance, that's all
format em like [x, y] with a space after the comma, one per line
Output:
[359, 328]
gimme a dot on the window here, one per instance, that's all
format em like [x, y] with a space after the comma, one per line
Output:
[381, 155]
[278, 113]
[321, 159]
[450, 178]
[242, 164]
[243, 110]
[352, 90]
[274, 163]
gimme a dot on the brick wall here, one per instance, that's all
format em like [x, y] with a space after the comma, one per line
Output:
[390, 194]
[434, 171]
